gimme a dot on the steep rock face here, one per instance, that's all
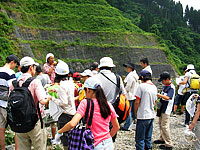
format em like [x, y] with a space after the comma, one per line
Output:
[83, 48]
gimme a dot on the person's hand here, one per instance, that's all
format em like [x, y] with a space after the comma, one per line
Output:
[57, 138]
[54, 63]
[191, 126]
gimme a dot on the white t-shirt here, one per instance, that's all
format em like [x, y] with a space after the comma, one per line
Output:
[132, 84]
[181, 86]
[108, 87]
[147, 93]
[148, 68]
[66, 97]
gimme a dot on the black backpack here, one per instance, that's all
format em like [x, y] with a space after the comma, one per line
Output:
[21, 111]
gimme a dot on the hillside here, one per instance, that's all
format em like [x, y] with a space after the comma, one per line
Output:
[165, 18]
[77, 31]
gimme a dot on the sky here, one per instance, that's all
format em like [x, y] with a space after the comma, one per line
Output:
[191, 3]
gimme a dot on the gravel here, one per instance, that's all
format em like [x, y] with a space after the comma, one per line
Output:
[126, 139]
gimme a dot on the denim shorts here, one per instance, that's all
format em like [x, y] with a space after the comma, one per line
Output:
[106, 144]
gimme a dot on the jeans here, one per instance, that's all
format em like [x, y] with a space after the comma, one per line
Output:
[132, 115]
[106, 144]
[144, 129]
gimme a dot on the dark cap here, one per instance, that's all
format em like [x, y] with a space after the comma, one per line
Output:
[131, 65]
[11, 58]
[144, 73]
[94, 65]
[164, 76]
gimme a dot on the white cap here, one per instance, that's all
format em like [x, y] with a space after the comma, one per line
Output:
[49, 55]
[27, 61]
[190, 67]
[92, 83]
[106, 62]
[86, 72]
[62, 68]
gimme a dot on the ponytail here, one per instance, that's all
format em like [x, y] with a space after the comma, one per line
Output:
[102, 101]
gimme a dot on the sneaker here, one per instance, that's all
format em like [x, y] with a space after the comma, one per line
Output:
[123, 129]
[159, 142]
[165, 147]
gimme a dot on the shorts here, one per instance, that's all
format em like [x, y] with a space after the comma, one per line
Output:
[186, 96]
[62, 120]
[178, 100]
[53, 125]
[3, 120]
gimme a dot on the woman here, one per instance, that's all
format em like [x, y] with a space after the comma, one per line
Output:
[65, 98]
[104, 113]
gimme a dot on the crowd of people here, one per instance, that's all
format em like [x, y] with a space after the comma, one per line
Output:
[56, 84]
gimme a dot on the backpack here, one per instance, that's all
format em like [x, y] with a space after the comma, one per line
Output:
[194, 81]
[21, 110]
[121, 104]
[81, 138]
[4, 91]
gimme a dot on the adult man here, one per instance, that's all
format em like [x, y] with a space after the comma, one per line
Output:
[7, 74]
[131, 82]
[145, 64]
[107, 77]
[167, 100]
[187, 80]
[105, 67]
[146, 96]
[49, 66]
[36, 137]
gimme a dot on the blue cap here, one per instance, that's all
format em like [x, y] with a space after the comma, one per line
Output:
[144, 73]
[92, 83]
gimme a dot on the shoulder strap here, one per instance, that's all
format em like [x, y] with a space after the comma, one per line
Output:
[87, 112]
[28, 81]
[40, 116]
[15, 83]
[108, 79]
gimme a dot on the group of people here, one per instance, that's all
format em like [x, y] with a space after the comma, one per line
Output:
[58, 84]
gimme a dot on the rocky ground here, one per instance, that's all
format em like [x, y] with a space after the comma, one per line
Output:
[125, 139]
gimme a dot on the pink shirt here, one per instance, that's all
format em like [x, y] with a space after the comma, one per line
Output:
[46, 68]
[35, 88]
[100, 126]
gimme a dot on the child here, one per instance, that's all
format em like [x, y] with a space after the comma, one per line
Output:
[167, 100]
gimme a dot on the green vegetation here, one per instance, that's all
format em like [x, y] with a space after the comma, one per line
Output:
[174, 31]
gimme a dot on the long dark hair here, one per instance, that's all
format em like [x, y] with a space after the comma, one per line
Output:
[102, 101]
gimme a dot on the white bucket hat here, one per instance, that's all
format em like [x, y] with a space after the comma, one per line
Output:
[62, 68]
[106, 62]
[49, 55]
[27, 61]
[86, 72]
[190, 67]
[92, 83]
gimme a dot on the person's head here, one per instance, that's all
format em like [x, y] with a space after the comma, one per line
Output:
[94, 66]
[106, 63]
[38, 69]
[144, 62]
[12, 60]
[165, 78]
[129, 67]
[92, 87]
[62, 71]
[145, 76]
[86, 74]
[76, 76]
[70, 73]
[50, 58]
[184, 70]
[190, 67]
[28, 65]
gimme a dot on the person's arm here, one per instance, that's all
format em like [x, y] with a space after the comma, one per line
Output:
[77, 117]
[163, 96]
[115, 127]
[196, 117]
[137, 102]
[184, 81]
